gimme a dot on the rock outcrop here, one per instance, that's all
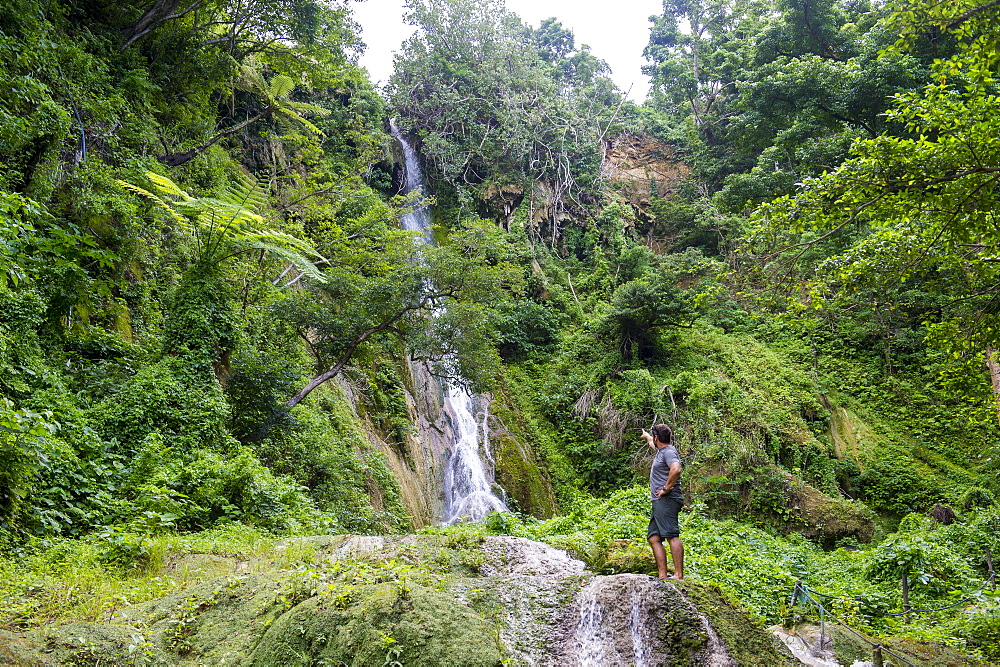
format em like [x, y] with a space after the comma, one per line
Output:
[430, 600]
[642, 168]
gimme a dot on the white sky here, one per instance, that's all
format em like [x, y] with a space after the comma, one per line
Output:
[617, 32]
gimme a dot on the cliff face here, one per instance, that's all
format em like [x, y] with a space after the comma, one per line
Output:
[638, 167]
[641, 168]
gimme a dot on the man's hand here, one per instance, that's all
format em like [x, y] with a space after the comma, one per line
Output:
[648, 437]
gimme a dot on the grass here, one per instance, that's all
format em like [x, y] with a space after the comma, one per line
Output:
[61, 580]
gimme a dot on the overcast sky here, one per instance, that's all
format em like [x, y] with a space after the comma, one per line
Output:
[616, 31]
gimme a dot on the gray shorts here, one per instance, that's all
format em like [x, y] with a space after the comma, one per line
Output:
[664, 521]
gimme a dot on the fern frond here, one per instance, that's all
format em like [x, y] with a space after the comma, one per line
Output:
[167, 186]
[287, 115]
[299, 261]
[245, 193]
[281, 86]
[281, 239]
[146, 194]
[226, 224]
[251, 80]
[223, 211]
[305, 107]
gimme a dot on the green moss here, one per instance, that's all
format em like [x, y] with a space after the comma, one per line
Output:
[518, 469]
[628, 556]
[383, 623]
[80, 644]
[522, 478]
[680, 632]
[930, 654]
[848, 647]
[746, 642]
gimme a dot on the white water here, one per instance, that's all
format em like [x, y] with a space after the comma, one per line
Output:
[419, 219]
[468, 489]
[590, 632]
[603, 623]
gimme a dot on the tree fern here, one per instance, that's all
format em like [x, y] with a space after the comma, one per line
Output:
[227, 224]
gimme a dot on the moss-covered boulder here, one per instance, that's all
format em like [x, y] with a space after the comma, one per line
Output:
[413, 600]
[380, 624]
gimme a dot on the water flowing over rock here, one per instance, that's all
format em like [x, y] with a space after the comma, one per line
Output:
[468, 491]
[419, 219]
[468, 486]
[555, 612]
[411, 599]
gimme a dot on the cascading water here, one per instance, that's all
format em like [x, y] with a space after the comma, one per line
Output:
[468, 491]
[419, 219]
[608, 632]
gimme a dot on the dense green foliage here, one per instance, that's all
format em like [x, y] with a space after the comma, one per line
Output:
[199, 240]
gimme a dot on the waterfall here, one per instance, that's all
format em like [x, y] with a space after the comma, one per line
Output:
[468, 490]
[419, 219]
[613, 623]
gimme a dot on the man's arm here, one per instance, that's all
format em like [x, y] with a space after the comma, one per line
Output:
[648, 437]
[672, 477]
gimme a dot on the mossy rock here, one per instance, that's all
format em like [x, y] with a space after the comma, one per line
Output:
[519, 474]
[517, 467]
[823, 517]
[80, 644]
[929, 654]
[746, 642]
[383, 623]
[218, 620]
[848, 647]
[628, 556]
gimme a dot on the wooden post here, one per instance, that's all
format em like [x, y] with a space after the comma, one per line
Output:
[822, 629]
[906, 598]
[989, 563]
[877, 656]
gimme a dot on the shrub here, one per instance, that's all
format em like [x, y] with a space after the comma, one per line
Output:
[22, 453]
[183, 404]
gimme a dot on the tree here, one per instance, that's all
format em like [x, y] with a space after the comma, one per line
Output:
[557, 103]
[432, 300]
[694, 48]
[244, 28]
[819, 80]
[275, 96]
[924, 203]
[641, 307]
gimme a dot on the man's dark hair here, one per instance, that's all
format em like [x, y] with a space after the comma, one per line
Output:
[663, 433]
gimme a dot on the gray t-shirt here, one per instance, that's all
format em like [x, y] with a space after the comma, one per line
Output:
[665, 456]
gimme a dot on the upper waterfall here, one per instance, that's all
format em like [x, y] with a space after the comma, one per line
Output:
[468, 487]
[419, 219]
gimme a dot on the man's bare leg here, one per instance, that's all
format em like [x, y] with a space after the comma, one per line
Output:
[659, 555]
[676, 555]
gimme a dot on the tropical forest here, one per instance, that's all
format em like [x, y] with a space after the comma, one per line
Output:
[300, 368]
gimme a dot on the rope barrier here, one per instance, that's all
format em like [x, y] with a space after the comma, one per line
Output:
[801, 588]
[989, 579]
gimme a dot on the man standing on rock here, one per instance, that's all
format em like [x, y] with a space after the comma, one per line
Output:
[665, 491]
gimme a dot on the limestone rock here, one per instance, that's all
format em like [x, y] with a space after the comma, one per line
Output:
[642, 167]
[412, 600]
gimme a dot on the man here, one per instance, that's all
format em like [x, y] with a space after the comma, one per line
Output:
[665, 492]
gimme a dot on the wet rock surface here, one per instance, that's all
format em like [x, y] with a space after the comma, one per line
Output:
[409, 599]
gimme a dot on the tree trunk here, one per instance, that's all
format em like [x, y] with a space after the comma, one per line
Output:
[994, 367]
[158, 13]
